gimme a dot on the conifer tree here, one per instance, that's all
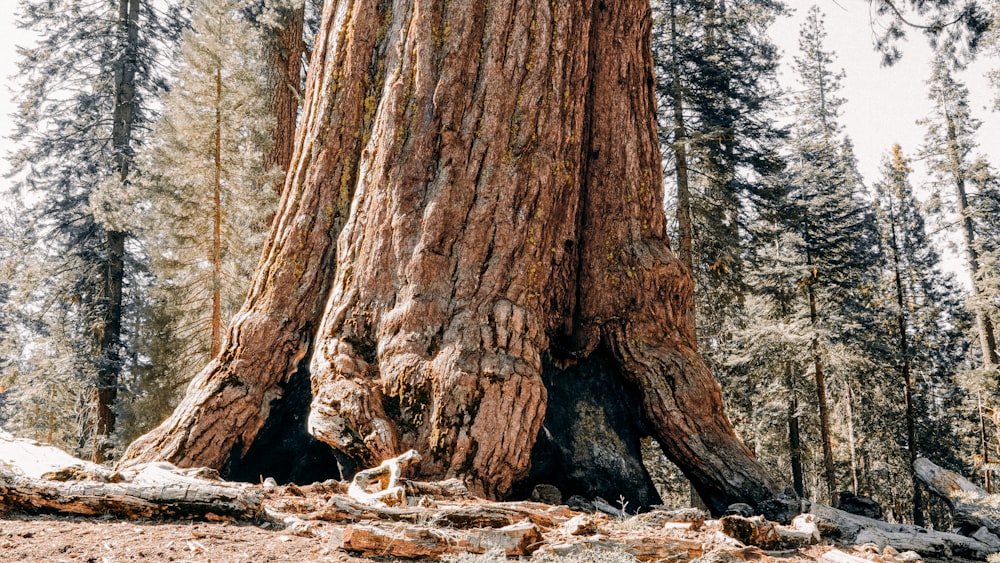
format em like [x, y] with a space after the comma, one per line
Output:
[948, 150]
[921, 320]
[86, 88]
[835, 233]
[211, 193]
[716, 67]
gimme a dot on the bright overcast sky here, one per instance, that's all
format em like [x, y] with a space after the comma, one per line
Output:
[882, 103]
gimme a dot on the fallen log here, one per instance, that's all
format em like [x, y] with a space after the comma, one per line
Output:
[852, 528]
[413, 541]
[39, 478]
[155, 491]
[971, 507]
[479, 514]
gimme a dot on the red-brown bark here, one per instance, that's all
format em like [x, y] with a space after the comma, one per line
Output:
[283, 48]
[506, 212]
[229, 401]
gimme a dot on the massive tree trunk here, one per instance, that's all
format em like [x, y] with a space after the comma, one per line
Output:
[503, 175]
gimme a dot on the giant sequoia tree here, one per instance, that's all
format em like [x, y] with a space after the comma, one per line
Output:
[472, 220]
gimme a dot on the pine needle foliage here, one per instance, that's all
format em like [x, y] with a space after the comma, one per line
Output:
[86, 92]
[210, 198]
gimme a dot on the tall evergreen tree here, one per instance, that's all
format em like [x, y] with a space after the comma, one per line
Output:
[949, 151]
[921, 320]
[716, 67]
[211, 194]
[86, 88]
[835, 232]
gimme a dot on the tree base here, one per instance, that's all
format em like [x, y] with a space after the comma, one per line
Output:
[589, 444]
[283, 449]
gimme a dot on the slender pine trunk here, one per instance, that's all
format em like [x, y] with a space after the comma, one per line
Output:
[984, 325]
[685, 243]
[216, 256]
[794, 436]
[826, 438]
[108, 336]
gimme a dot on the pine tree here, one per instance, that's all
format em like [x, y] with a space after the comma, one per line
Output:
[86, 88]
[948, 150]
[834, 233]
[716, 67]
[921, 319]
[211, 195]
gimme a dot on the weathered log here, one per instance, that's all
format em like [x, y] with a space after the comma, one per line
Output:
[852, 528]
[407, 540]
[154, 491]
[751, 531]
[447, 489]
[28, 458]
[459, 515]
[971, 507]
[639, 547]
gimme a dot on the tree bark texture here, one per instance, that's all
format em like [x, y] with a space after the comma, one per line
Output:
[508, 211]
[283, 48]
[269, 339]
[503, 174]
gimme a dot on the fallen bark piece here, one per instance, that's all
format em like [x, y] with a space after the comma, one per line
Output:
[802, 532]
[407, 540]
[751, 531]
[639, 547]
[380, 486]
[971, 507]
[902, 537]
[581, 525]
[662, 516]
[447, 489]
[154, 492]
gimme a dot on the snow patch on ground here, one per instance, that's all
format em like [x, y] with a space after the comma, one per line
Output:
[33, 459]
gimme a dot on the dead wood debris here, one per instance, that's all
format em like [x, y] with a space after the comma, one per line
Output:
[430, 520]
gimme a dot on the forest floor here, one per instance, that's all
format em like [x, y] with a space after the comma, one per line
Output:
[103, 540]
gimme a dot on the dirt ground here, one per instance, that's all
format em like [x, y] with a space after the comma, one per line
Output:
[104, 540]
[96, 540]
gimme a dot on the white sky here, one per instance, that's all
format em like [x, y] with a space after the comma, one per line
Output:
[883, 104]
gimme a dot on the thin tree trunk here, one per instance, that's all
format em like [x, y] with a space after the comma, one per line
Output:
[829, 470]
[685, 243]
[905, 363]
[984, 447]
[794, 440]
[113, 273]
[984, 326]
[507, 211]
[851, 441]
[217, 223]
